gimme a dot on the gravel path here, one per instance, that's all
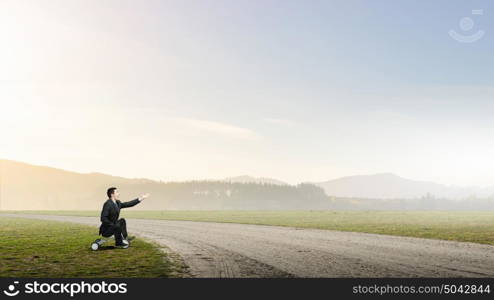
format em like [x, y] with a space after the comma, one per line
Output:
[238, 250]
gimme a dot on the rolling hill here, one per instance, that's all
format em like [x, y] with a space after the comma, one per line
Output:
[250, 179]
[29, 187]
[390, 186]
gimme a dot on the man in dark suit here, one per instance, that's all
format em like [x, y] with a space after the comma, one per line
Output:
[110, 224]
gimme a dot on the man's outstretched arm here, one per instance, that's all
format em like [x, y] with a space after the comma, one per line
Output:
[133, 202]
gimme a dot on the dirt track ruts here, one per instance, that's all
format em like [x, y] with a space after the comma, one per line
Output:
[239, 250]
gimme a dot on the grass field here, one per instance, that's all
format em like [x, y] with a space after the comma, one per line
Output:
[468, 226]
[35, 248]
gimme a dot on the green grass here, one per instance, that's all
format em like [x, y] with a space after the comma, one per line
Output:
[35, 248]
[465, 226]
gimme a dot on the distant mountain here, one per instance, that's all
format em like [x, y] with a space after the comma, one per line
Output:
[389, 186]
[28, 187]
[250, 179]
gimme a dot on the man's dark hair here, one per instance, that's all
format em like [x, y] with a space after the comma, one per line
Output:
[110, 191]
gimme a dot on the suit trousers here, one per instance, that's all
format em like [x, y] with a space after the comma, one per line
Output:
[119, 229]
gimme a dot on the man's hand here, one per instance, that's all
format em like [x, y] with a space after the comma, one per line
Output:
[142, 197]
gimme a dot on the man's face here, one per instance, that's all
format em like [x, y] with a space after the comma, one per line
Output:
[116, 194]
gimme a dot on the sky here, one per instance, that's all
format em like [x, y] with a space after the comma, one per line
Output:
[294, 90]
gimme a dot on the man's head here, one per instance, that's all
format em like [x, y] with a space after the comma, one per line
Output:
[112, 193]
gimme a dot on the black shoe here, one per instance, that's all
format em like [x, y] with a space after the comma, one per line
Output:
[122, 246]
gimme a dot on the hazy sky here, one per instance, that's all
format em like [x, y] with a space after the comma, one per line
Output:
[296, 90]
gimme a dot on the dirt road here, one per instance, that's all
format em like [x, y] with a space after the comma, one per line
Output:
[238, 250]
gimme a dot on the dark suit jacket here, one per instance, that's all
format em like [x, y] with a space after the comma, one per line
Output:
[111, 212]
